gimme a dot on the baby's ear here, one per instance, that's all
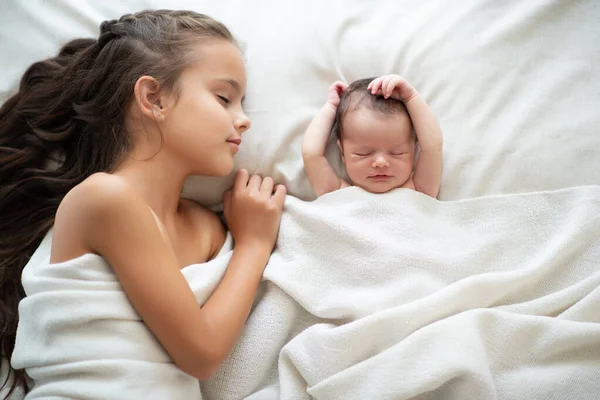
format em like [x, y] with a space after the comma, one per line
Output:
[339, 143]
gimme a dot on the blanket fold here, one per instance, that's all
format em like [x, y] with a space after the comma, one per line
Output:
[393, 296]
[80, 337]
[401, 296]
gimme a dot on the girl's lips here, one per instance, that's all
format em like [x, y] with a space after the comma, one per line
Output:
[235, 143]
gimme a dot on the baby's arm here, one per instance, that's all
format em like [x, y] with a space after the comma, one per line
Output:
[321, 176]
[427, 176]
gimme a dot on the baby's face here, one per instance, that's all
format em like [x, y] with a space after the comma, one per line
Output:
[378, 150]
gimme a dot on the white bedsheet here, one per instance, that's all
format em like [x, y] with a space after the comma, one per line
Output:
[394, 296]
[80, 337]
[399, 296]
[514, 84]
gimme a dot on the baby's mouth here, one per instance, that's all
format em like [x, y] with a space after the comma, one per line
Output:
[380, 177]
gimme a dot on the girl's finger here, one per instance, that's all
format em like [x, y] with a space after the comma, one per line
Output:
[279, 196]
[241, 180]
[254, 183]
[227, 203]
[266, 187]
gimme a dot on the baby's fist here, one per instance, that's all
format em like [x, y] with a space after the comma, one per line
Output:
[334, 92]
[393, 86]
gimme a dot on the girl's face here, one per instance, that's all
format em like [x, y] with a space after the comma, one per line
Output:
[203, 125]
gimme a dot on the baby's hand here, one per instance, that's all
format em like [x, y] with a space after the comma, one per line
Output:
[334, 92]
[393, 86]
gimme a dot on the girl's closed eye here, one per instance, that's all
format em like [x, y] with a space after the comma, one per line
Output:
[224, 99]
[398, 153]
[363, 153]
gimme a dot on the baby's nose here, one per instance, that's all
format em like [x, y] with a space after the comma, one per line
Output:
[380, 161]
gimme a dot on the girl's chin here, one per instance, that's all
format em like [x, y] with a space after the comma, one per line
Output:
[220, 168]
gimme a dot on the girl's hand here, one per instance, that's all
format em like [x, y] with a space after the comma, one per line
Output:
[253, 209]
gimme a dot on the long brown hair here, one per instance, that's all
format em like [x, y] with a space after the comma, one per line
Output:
[66, 122]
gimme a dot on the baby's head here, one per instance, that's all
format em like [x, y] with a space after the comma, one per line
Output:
[376, 138]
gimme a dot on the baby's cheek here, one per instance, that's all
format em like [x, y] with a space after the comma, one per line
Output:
[406, 166]
[354, 169]
[407, 163]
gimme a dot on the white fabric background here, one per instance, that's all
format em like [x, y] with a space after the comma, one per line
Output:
[514, 84]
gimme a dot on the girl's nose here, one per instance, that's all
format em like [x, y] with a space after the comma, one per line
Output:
[242, 123]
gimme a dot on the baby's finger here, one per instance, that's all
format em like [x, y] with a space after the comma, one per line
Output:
[335, 85]
[375, 85]
[372, 84]
[241, 180]
[386, 88]
[266, 187]
[380, 85]
[396, 82]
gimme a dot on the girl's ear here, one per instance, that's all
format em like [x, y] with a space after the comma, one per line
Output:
[147, 95]
[339, 143]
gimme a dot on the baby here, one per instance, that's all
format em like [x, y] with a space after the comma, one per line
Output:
[378, 123]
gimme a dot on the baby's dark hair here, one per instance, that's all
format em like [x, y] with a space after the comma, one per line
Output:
[357, 96]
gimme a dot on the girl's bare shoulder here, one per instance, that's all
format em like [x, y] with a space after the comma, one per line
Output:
[99, 204]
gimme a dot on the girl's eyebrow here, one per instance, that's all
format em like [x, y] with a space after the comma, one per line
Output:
[231, 82]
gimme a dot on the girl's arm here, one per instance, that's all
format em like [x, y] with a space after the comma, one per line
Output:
[117, 224]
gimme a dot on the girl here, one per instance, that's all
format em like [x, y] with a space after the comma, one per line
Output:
[97, 144]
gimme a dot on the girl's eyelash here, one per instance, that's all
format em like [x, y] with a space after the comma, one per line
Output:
[363, 154]
[226, 100]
